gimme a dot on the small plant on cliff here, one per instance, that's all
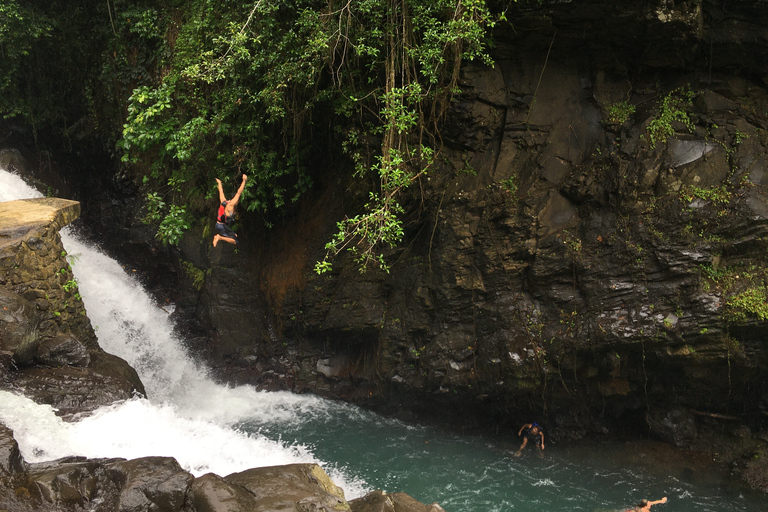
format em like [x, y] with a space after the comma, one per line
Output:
[619, 112]
[715, 194]
[70, 285]
[739, 137]
[510, 185]
[751, 302]
[196, 274]
[467, 170]
[674, 107]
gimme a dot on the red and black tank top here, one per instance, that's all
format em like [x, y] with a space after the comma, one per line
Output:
[222, 215]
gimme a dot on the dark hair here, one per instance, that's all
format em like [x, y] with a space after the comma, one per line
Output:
[642, 503]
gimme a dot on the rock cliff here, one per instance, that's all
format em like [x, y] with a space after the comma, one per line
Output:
[592, 252]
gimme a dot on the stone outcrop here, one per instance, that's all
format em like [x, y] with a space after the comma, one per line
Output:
[379, 501]
[47, 343]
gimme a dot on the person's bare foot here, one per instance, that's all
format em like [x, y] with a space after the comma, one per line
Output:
[216, 240]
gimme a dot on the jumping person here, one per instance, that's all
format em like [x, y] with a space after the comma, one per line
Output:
[645, 505]
[226, 215]
[533, 433]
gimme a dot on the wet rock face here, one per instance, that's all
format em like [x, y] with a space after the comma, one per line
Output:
[18, 326]
[11, 461]
[595, 239]
[63, 350]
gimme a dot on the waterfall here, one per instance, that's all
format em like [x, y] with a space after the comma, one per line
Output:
[186, 414]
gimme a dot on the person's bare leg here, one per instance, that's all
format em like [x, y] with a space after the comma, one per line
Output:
[216, 239]
[520, 451]
[227, 239]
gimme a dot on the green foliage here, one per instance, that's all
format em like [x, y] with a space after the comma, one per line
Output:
[715, 194]
[739, 137]
[467, 170]
[173, 225]
[155, 206]
[21, 30]
[674, 107]
[276, 90]
[362, 234]
[744, 288]
[619, 112]
[510, 185]
[70, 285]
[51, 53]
[197, 275]
[750, 302]
[419, 46]
[148, 125]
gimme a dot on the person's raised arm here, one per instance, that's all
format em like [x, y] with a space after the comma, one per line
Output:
[239, 191]
[222, 197]
[657, 502]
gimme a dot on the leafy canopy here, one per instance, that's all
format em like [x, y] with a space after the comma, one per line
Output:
[275, 89]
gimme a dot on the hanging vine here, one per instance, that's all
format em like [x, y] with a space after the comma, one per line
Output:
[424, 45]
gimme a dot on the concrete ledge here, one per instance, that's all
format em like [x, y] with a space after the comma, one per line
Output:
[20, 219]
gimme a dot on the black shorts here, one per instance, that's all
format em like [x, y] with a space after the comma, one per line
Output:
[533, 438]
[225, 231]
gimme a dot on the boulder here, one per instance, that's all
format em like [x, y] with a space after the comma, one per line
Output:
[18, 326]
[150, 484]
[212, 493]
[379, 501]
[73, 390]
[11, 461]
[62, 350]
[72, 482]
[293, 487]
[676, 426]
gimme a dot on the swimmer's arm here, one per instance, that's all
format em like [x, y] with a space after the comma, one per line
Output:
[222, 197]
[236, 199]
